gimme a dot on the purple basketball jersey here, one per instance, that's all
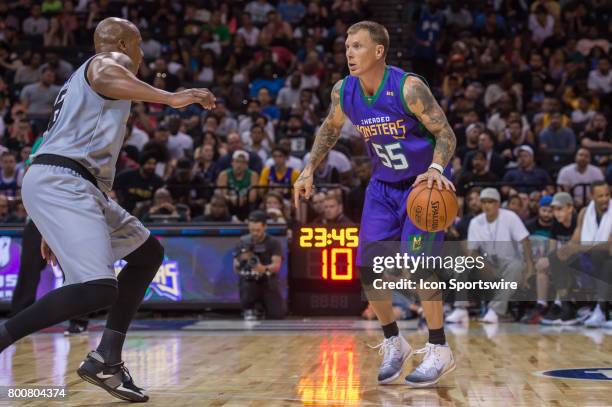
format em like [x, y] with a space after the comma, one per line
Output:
[399, 146]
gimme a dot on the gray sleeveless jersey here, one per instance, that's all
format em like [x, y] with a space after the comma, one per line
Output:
[87, 127]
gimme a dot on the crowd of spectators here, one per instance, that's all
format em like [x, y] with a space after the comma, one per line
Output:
[524, 84]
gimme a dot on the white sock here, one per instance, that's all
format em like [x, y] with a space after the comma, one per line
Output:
[542, 303]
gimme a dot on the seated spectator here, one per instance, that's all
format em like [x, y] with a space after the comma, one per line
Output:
[597, 134]
[179, 143]
[307, 108]
[267, 107]
[313, 208]
[289, 95]
[29, 72]
[247, 30]
[557, 138]
[477, 174]
[134, 136]
[164, 209]
[10, 178]
[5, 214]
[36, 24]
[527, 176]
[62, 69]
[151, 48]
[259, 9]
[582, 114]
[205, 165]
[301, 135]
[218, 148]
[253, 112]
[24, 155]
[580, 172]
[218, 211]
[134, 186]
[275, 208]
[291, 11]
[236, 184]
[515, 137]
[600, 79]
[159, 69]
[333, 212]
[486, 144]
[235, 143]
[278, 174]
[39, 97]
[515, 204]
[292, 161]
[187, 186]
[472, 134]
[541, 24]
[498, 121]
[541, 225]
[227, 122]
[258, 141]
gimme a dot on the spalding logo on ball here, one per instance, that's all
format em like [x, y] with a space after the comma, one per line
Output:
[432, 210]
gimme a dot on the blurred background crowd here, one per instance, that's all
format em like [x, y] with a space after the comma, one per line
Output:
[526, 85]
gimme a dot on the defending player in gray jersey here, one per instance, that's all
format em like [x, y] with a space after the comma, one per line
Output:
[83, 230]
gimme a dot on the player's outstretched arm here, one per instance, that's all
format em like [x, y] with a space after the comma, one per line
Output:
[326, 138]
[109, 75]
[424, 106]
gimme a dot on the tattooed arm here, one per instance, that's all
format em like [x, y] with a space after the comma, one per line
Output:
[326, 138]
[423, 105]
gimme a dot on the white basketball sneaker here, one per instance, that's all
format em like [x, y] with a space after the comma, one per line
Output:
[458, 316]
[437, 362]
[596, 319]
[395, 351]
[490, 317]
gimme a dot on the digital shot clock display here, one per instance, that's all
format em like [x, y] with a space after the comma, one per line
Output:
[324, 277]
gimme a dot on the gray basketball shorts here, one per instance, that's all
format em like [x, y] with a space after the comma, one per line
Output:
[86, 231]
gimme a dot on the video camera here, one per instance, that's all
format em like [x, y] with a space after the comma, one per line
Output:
[247, 261]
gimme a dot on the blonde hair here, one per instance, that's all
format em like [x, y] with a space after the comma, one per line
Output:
[378, 32]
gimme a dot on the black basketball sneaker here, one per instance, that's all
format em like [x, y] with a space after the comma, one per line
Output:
[115, 379]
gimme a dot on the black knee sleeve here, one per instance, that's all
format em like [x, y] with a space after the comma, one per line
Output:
[149, 254]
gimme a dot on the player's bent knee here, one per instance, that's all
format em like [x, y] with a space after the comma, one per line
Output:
[149, 254]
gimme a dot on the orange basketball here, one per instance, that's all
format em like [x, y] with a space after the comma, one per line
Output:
[431, 210]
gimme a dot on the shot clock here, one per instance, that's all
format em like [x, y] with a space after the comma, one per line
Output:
[324, 275]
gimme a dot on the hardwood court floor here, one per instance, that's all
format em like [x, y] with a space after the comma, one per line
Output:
[251, 365]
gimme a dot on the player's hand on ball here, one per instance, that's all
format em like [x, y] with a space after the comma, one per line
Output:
[303, 186]
[201, 96]
[47, 254]
[433, 176]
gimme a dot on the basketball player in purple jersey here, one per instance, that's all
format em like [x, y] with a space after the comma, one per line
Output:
[409, 141]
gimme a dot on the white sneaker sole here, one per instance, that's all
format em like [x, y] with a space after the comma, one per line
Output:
[433, 382]
[393, 378]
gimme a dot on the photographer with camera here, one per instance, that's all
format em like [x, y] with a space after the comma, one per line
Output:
[257, 260]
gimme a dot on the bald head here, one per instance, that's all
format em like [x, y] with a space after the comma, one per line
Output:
[118, 35]
[111, 31]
